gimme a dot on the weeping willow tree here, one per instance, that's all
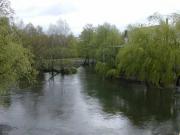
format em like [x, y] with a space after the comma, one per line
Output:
[152, 54]
[108, 37]
[98, 44]
[16, 62]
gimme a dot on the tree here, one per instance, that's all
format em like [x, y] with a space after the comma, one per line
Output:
[60, 28]
[100, 44]
[87, 43]
[16, 61]
[5, 9]
[108, 38]
[152, 54]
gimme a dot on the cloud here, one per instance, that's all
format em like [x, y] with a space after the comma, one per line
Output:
[80, 12]
[57, 9]
[34, 8]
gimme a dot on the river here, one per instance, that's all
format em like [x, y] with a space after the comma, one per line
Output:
[84, 104]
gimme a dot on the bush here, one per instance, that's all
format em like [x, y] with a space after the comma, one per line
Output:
[112, 73]
[70, 70]
[101, 68]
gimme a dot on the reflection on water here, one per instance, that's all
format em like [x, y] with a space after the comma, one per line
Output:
[83, 104]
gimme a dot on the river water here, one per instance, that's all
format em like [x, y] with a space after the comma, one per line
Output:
[84, 104]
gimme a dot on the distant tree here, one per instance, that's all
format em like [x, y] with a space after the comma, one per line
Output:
[87, 43]
[60, 28]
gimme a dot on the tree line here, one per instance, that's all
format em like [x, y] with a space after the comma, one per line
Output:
[147, 52]
[25, 49]
[151, 54]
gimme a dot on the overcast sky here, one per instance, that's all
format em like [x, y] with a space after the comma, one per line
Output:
[78, 13]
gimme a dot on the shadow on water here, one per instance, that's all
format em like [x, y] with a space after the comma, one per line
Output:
[7, 96]
[4, 129]
[141, 105]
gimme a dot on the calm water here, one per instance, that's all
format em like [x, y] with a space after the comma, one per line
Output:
[83, 104]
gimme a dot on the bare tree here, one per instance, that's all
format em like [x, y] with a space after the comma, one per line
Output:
[5, 9]
[60, 28]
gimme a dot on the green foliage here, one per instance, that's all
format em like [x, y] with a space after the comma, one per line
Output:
[100, 44]
[101, 68]
[87, 46]
[107, 38]
[152, 55]
[59, 43]
[70, 70]
[112, 73]
[16, 61]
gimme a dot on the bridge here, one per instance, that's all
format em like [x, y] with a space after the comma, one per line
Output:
[57, 65]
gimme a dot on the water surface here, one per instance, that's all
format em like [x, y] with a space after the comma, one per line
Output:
[84, 104]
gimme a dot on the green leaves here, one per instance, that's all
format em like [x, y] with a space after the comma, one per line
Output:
[16, 61]
[151, 55]
[99, 44]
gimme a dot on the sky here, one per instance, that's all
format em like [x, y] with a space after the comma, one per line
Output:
[78, 13]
